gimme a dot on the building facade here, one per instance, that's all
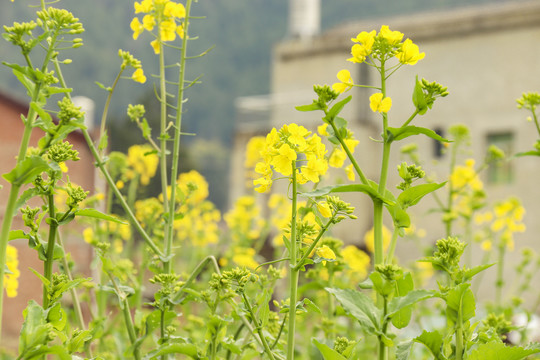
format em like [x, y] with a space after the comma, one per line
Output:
[487, 57]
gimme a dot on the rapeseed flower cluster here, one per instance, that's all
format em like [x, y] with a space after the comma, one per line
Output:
[284, 149]
[11, 277]
[142, 162]
[505, 219]
[245, 221]
[198, 218]
[161, 13]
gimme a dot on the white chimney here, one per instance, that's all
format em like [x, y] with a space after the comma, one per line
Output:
[88, 106]
[304, 18]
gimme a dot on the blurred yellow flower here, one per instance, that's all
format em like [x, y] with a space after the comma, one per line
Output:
[326, 253]
[369, 239]
[357, 260]
[11, 280]
[142, 162]
[138, 76]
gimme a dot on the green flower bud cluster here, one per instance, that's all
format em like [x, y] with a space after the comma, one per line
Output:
[29, 218]
[498, 324]
[342, 343]
[61, 20]
[340, 209]
[128, 60]
[390, 272]
[494, 154]
[239, 277]
[433, 90]
[15, 34]
[325, 95]
[459, 133]
[62, 151]
[68, 111]
[76, 195]
[529, 101]
[409, 173]
[136, 112]
[58, 285]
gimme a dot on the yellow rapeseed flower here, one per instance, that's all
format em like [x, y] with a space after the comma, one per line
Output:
[379, 104]
[136, 27]
[349, 171]
[346, 81]
[142, 162]
[326, 253]
[324, 209]
[409, 53]
[139, 76]
[392, 37]
[363, 47]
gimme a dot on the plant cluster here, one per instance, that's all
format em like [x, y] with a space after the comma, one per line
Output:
[272, 280]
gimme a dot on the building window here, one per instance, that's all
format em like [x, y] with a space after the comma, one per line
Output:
[501, 172]
[438, 147]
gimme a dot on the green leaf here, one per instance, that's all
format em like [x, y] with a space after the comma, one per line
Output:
[336, 109]
[406, 131]
[27, 170]
[57, 316]
[412, 297]
[418, 98]
[186, 349]
[433, 341]
[93, 213]
[327, 352]
[399, 216]
[528, 153]
[366, 189]
[76, 343]
[17, 234]
[404, 286]
[45, 121]
[499, 351]
[470, 273]
[414, 194]
[360, 306]
[310, 107]
[403, 350]
[460, 299]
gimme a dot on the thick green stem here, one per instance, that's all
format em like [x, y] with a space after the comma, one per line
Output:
[383, 350]
[459, 336]
[293, 273]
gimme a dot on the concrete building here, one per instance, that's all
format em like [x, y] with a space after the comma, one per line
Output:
[487, 57]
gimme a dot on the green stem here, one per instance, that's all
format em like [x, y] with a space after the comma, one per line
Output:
[293, 273]
[536, 122]
[107, 104]
[209, 259]
[258, 327]
[129, 213]
[459, 335]
[383, 350]
[53, 228]
[353, 161]
[410, 118]
[177, 135]
[392, 248]
[300, 262]
[499, 283]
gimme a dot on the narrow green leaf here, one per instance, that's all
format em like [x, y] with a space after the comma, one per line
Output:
[470, 273]
[366, 189]
[414, 194]
[528, 153]
[336, 109]
[327, 352]
[399, 216]
[185, 349]
[45, 121]
[93, 213]
[406, 131]
[17, 234]
[310, 107]
[418, 98]
[360, 306]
